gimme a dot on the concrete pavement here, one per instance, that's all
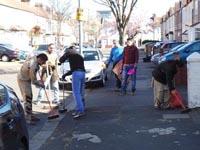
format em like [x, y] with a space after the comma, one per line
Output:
[126, 122]
[118, 122]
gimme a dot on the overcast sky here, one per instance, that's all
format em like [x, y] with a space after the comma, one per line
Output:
[159, 7]
[143, 7]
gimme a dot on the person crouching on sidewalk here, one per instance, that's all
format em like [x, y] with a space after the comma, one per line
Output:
[163, 81]
[77, 70]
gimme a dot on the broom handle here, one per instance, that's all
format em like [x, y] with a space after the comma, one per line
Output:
[45, 91]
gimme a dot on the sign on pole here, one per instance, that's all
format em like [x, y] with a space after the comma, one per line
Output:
[79, 14]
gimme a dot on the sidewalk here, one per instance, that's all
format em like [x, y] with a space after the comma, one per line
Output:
[126, 122]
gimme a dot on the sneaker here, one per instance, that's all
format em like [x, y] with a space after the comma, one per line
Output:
[74, 113]
[79, 115]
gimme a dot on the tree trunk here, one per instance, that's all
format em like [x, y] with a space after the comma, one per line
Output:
[121, 36]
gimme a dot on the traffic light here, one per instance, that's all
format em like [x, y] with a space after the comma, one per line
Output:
[79, 14]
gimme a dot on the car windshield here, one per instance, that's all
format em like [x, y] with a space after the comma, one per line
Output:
[42, 47]
[90, 55]
[2, 95]
[184, 46]
[176, 47]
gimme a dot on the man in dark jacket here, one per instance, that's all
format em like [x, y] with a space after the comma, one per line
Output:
[77, 70]
[163, 81]
[130, 61]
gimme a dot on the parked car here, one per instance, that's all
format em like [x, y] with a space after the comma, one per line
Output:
[148, 50]
[13, 133]
[8, 53]
[94, 62]
[156, 48]
[169, 45]
[155, 58]
[184, 51]
[22, 54]
[40, 49]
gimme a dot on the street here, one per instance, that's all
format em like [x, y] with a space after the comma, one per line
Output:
[115, 122]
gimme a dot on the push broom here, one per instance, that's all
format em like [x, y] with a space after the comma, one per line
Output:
[177, 100]
[53, 113]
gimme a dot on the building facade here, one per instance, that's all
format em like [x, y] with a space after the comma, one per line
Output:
[25, 24]
[182, 21]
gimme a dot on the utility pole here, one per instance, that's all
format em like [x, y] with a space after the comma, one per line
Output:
[79, 17]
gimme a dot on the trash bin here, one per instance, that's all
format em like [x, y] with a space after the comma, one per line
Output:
[181, 76]
[193, 73]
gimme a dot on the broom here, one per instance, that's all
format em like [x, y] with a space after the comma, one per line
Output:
[64, 109]
[177, 98]
[53, 113]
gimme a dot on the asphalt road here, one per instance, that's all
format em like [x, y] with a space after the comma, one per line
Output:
[126, 122]
[113, 121]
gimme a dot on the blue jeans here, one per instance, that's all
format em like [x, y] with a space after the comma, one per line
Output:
[125, 78]
[78, 88]
[55, 88]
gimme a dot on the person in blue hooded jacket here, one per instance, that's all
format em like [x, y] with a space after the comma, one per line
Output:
[115, 56]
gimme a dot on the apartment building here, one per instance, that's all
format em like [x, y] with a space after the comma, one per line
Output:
[23, 24]
[182, 22]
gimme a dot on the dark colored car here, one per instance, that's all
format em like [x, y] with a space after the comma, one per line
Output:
[156, 58]
[169, 45]
[7, 53]
[183, 51]
[13, 128]
[156, 48]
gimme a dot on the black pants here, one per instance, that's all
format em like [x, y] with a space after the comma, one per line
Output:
[118, 81]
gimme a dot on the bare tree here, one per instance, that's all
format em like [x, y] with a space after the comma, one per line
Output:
[134, 25]
[61, 12]
[122, 10]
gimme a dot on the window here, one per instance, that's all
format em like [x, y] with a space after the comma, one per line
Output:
[2, 95]
[90, 55]
[195, 47]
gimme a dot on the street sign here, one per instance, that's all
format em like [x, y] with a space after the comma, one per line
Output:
[79, 14]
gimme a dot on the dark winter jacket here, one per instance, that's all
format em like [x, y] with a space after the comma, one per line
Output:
[76, 62]
[165, 72]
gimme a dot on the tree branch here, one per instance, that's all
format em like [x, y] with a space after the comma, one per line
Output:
[130, 11]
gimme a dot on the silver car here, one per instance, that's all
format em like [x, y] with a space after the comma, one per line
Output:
[94, 62]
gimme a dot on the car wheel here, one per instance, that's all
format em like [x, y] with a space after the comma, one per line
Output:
[102, 82]
[4, 58]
